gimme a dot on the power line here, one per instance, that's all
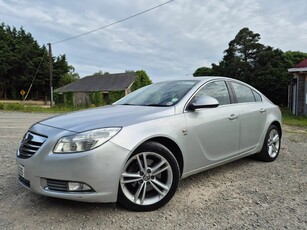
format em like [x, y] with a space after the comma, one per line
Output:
[113, 23]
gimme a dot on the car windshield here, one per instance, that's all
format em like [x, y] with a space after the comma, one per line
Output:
[159, 94]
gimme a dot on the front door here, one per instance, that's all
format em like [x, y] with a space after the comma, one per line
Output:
[214, 133]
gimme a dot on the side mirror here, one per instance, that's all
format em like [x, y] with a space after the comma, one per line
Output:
[203, 102]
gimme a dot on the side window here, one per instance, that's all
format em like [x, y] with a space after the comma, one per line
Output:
[218, 90]
[257, 96]
[243, 93]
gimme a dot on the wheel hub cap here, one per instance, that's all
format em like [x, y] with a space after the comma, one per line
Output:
[146, 177]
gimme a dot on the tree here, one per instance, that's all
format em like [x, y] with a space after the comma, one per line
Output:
[294, 57]
[204, 71]
[6, 58]
[61, 68]
[271, 76]
[261, 66]
[69, 77]
[20, 57]
[240, 57]
[100, 73]
[141, 80]
[245, 46]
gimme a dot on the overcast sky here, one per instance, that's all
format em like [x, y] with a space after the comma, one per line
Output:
[167, 42]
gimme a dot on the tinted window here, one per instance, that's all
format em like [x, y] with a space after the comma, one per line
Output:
[257, 96]
[243, 93]
[218, 90]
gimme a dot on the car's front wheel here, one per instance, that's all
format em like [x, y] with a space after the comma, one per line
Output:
[271, 145]
[149, 178]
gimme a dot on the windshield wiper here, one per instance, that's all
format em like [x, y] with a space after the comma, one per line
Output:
[157, 105]
[127, 104]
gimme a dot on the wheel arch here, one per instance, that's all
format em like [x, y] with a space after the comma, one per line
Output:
[172, 146]
[278, 125]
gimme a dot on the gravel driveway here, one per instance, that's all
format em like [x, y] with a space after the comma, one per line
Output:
[245, 194]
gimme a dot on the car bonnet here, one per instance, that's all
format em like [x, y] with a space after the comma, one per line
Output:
[107, 116]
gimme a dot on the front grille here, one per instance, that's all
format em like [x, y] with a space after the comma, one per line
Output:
[24, 181]
[30, 144]
[57, 185]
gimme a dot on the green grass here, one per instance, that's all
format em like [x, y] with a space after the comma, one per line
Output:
[38, 109]
[289, 119]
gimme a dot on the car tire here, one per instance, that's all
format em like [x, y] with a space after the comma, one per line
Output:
[271, 145]
[149, 186]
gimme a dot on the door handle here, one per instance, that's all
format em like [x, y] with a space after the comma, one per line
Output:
[262, 110]
[233, 117]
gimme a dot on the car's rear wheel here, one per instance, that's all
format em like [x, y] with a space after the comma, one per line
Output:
[271, 145]
[149, 178]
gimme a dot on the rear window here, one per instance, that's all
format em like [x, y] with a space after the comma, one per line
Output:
[243, 93]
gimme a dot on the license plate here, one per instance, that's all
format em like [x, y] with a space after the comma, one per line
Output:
[21, 170]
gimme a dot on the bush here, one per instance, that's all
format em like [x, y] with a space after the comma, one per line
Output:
[115, 96]
[69, 99]
[97, 99]
[58, 98]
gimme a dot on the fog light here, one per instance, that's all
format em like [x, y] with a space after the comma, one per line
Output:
[76, 186]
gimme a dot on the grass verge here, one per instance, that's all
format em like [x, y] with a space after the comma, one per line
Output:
[38, 109]
[289, 119]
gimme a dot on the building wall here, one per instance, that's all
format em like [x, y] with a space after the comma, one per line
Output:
[301, 102]
[81, 99]
[305, 105]
[297, 101]
[84, 98]
[291, 95]
[301, 95]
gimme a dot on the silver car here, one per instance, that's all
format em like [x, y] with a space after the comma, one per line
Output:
[135, 151]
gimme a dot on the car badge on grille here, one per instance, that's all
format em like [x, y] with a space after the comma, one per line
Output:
[26, 137]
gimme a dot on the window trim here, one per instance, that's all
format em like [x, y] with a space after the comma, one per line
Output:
[261, 99]
[230, 93]
[235, 95]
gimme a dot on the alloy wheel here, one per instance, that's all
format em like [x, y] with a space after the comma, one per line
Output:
[273, 143]
[146, 179]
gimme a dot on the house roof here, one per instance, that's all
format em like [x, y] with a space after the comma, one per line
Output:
[300, 67]
[106, 83]
[302, 64]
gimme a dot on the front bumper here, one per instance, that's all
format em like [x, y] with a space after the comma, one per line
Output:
[99, 168]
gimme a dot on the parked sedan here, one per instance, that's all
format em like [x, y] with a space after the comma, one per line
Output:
[135, 151]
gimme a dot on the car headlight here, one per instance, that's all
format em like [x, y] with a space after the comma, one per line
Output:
[85, 141]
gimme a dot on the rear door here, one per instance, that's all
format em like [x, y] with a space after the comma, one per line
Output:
[253, 114]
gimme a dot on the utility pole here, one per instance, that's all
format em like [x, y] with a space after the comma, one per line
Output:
[50, 72]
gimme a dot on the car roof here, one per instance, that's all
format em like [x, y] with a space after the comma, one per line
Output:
[198, 78]
[203, 79]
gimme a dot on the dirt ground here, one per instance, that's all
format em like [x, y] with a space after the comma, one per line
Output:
[245, 194]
